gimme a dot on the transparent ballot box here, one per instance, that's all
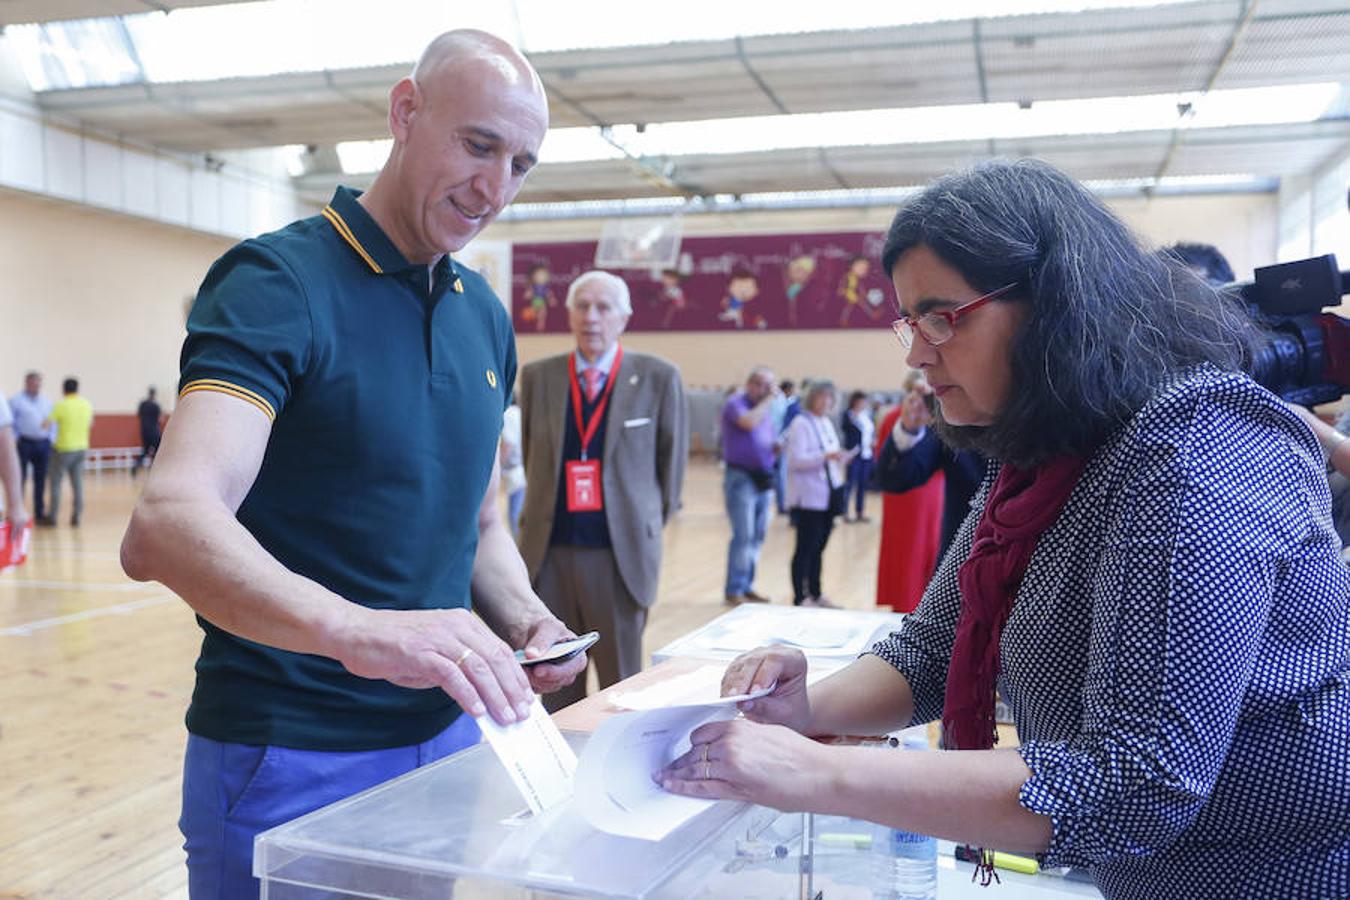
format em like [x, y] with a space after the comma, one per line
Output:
[459, 829]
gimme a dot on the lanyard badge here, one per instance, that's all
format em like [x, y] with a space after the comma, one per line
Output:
[583, 486]
[582, 476]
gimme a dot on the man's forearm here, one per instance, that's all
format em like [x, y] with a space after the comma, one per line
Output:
[199, 551]
[501, 590]
[755, 414]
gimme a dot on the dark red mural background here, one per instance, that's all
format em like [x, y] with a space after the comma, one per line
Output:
[760, 282]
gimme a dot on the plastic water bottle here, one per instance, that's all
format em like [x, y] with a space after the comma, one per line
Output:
[907, 867]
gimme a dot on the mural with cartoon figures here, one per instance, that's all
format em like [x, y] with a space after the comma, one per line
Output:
[799, 272]
[673, 296]
[756, 283]
[538, 297]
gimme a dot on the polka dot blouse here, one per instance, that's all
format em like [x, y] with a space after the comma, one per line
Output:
[1177, 659]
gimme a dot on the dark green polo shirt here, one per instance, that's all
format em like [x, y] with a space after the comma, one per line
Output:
[386, 395]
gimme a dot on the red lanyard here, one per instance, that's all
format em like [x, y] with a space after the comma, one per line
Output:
[587, 430]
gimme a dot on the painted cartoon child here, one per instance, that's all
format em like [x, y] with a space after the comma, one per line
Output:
[539, 296]
[851, 288]
[799, 272]
[742, 288]
[672, 294]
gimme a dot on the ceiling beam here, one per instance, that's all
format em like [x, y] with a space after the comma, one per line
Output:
[1179, 133]
[642, 166]
[755, 76]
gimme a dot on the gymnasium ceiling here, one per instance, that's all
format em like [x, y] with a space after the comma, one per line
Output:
[905, 74]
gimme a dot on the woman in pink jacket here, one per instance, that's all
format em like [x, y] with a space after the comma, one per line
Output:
[815, 488]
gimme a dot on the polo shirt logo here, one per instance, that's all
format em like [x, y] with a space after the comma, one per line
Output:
[492, 379]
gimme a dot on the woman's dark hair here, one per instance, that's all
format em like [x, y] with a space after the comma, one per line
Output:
[855, 397]
[1109, 321]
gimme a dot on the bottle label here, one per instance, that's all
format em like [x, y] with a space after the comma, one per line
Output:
[907, 837]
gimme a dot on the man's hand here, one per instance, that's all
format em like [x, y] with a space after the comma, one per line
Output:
[447, 648]
[548, 677]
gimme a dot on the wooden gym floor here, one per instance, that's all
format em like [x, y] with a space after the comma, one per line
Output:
[96, 673]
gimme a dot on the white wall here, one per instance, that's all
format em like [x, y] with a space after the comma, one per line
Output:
[53, 156]
[1314, 218]
[96, 295]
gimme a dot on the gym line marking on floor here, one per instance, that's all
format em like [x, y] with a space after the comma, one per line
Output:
[120, 609]
[50, 585]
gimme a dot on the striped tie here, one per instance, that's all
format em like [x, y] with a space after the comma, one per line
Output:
[592, 378]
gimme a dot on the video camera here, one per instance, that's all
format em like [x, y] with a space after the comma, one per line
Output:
[1305, 357]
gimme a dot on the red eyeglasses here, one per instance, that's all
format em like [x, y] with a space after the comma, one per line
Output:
[938, 326]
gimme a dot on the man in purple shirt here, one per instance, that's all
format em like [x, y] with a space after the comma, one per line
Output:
[748, 445]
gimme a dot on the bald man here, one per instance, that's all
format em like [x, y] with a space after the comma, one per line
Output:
[324, 496]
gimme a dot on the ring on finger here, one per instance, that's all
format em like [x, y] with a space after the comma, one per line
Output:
[459, 660]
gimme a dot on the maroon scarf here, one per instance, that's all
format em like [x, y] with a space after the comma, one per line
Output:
[1022, 504]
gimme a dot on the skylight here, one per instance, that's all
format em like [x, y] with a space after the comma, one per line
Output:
[205, 43]
[1283, 104]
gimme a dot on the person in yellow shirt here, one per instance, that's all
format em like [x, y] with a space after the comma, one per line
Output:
[73, 417]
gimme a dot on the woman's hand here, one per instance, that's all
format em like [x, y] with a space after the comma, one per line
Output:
[740, 760]
[780, 667]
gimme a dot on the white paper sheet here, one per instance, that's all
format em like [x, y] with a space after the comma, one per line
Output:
[615, 792]
[816, 632]
[538, 759]
[701, 685]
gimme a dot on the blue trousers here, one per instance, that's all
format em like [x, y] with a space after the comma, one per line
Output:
[232, 792]
[34, 454]
[859, 472]
[748, 509]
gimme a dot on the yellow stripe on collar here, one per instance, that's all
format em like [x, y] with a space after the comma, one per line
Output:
[345, 232]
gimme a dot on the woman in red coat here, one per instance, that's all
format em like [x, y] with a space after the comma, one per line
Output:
[911, 526]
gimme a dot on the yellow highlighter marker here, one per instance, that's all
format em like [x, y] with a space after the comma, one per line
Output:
[1013, 863]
